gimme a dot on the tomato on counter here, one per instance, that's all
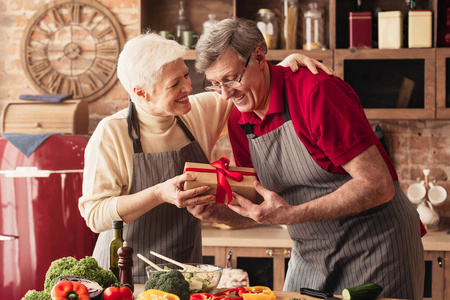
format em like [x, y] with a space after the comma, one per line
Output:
[117, 293]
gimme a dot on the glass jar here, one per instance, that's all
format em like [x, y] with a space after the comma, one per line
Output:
[268, 26]
[289, 14]
[210, 22]
[313, 28]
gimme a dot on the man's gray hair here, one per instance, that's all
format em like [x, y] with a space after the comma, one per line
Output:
[241, 35]
[142, 58]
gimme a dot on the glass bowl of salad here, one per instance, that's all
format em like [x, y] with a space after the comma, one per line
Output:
[204, 281]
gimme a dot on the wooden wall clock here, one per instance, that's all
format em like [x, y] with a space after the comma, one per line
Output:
[72, 47]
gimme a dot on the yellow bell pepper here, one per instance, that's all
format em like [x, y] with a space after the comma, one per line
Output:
[258, 293]
[157, 295]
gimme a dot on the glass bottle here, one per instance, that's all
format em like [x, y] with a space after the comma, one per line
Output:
[115, 244]
[182, 23]
[211, 21]
[313, 28]
[289, 14]
[268, 26]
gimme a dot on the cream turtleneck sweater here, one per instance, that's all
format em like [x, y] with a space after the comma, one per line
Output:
[109, 153]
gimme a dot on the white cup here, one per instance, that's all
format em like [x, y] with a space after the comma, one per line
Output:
[416, 192]
[427, 214]
[437, 194]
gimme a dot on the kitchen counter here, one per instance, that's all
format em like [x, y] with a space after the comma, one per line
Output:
[274, 235]
[139, 288]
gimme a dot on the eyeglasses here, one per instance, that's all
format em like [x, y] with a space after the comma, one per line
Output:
[232, 84]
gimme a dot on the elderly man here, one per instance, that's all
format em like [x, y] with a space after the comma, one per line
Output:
[322, 170]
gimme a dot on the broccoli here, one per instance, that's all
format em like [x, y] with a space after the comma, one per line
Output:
[171, 282]
[86, 268]
[35, 295]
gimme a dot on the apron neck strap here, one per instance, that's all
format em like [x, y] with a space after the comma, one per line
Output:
[133, 125]
[248, 128]
[185, 129]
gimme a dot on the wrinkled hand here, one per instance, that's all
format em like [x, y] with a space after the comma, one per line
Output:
[273, 210]
[171, 191]
[209, 213]
[296, 59]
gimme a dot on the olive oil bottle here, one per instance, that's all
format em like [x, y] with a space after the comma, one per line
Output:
[115, 244]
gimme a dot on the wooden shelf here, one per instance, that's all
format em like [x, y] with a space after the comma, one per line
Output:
[425, 57]
[430, 65]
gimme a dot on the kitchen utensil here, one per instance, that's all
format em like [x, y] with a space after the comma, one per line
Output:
[317, 294]
[155, 266]
[184, 266]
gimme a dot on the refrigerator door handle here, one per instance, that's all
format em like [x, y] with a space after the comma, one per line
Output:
[34, 172]
[8, 237]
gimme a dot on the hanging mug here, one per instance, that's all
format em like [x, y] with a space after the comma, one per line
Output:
[427, 214]
[416, 192]
[437, 194]
[189, 38]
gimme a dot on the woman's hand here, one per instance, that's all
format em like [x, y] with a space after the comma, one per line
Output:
[296, 59]
[171, 191]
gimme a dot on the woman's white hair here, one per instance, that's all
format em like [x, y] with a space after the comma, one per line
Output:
[142, 58]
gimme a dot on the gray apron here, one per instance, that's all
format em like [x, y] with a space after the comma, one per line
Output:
[165, 229]
[380, 245]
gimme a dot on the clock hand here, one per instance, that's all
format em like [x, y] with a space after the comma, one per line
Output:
[80, 56]
[71, 50]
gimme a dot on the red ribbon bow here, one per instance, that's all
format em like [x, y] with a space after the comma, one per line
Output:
[221, 169]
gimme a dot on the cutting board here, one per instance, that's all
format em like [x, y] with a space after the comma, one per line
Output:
[139, 288]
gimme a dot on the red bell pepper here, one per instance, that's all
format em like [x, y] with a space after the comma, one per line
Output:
[67, 290]
[117, 293]
[235, 294]
[205, 296]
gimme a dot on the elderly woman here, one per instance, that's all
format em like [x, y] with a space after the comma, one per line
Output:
[322, 170]
[134, 158]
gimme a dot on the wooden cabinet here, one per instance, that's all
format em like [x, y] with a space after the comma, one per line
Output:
[270, 262]
[435, 274]
[392, 84]
[443, 83]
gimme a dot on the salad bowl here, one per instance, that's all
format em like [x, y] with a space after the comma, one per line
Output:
[202, 281]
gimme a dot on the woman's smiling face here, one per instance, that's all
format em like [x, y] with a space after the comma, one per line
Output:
[170, 95]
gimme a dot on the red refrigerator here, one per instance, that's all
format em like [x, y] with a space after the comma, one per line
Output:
[39, 216]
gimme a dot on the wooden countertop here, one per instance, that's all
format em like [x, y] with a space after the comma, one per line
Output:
[264, 235]
[258, 236]
[139, 288]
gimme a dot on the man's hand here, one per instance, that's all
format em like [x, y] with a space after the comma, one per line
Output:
[273, 210]
[296, 59]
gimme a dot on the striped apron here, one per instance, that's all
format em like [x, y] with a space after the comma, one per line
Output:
[380, 245]
[165, 229]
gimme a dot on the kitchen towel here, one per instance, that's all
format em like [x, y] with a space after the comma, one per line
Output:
[48, 98]
[27, 143]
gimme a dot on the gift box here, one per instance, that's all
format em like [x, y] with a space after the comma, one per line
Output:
[223, 179]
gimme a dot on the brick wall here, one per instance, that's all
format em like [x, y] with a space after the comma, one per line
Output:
[413, 145]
